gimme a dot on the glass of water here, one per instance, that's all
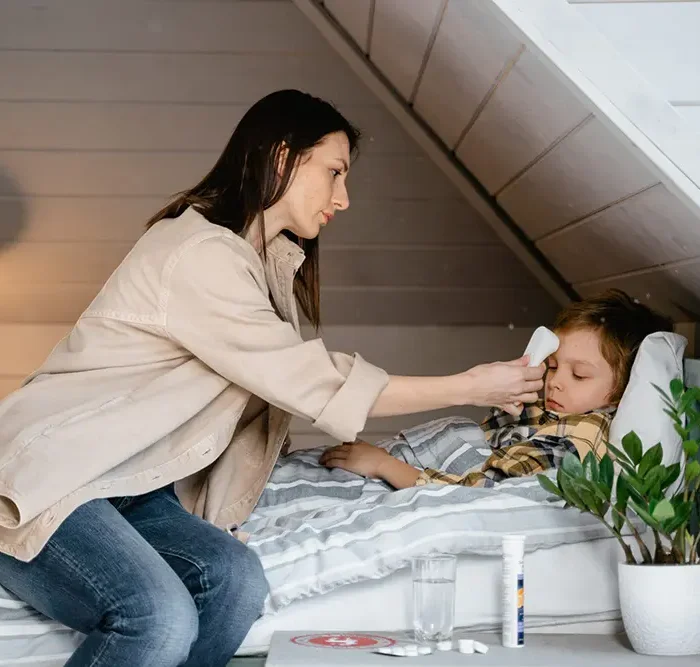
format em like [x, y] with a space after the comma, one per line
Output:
[434, 597]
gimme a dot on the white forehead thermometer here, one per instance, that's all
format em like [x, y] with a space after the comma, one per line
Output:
[543, 343]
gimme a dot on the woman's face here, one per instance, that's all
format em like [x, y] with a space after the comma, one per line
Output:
[317, 189]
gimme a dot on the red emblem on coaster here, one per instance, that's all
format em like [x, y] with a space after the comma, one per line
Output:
[343, 640]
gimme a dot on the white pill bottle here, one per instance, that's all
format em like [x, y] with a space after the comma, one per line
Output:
[513, 591]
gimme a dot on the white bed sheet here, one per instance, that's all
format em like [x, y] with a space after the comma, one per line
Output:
[572, 583]
[568, 584]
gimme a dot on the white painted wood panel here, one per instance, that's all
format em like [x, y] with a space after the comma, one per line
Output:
[354, 17]
[692, 114]
[589, 170]
[471, 50]
[163, 127]
[651, 228]
[401, 306]
[367, 221]
[400, 37]
[488, 266]
[407, 306]
[25, 346]
[173, 77]
[100, 173]
[674, 289]
[660, 39]
[144, 25]
[527, 113]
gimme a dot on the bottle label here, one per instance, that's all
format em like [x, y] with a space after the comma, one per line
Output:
[521, 610]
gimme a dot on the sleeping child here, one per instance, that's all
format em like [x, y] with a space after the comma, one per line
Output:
[585, 379]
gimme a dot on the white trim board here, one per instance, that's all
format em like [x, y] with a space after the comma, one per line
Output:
[396, 106]
[624, 101]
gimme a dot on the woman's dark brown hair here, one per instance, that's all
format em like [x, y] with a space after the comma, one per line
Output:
[246, 179]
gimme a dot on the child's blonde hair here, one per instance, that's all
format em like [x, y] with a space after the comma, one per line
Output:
[622, 323]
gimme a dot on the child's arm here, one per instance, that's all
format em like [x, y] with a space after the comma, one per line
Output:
[364, 459]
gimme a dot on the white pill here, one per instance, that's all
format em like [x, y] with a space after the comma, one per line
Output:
[444, 645]
[411, 647]
[398, 650]
[466, 646]
[411, 650]
[424, 650]
[385, 650]
[480, 648]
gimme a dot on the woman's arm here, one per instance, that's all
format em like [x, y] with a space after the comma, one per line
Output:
[506, 385]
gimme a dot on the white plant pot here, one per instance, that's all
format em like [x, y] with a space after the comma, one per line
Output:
[660, 607]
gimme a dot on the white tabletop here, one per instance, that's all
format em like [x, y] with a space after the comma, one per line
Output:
[293, 649]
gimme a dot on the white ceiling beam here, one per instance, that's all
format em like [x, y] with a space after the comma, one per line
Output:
[503, 226]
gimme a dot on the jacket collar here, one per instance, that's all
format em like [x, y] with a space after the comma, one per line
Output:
[286, 250]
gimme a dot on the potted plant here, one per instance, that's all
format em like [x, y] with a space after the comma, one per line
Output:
[659, 585]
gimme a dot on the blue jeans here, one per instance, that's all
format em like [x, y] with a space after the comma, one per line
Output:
[149, 584]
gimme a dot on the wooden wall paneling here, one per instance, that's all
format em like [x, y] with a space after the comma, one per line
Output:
[673, 289]
[135, 25]
[163, 126]
[359, 265]
[400, 37]
[660, 39]
[651, 228]
[41, 303]
[589, 170]
[460, 72]
[528, 112]
[408, 306]
[122, 219]
[173, 77]
[354, 17]
[691, 112]
[103, 173]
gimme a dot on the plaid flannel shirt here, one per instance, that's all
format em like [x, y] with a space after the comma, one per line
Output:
[531, 443]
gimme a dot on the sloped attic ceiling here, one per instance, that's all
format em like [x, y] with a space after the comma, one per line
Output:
[587, 168]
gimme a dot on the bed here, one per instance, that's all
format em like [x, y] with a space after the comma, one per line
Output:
[341, 565]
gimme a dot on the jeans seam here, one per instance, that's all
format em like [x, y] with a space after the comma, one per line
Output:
[203, 579]
[105, 645]
[76, 571]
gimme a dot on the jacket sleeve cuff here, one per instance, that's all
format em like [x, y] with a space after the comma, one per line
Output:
[344, 416]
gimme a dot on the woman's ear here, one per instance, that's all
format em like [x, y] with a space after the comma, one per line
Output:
[281, 158]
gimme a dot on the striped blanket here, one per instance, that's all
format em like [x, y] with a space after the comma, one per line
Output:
[316, 529]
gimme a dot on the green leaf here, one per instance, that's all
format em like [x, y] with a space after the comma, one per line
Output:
[672, 473]
[654, 479]
[548, 485]
[586, 491]
[651, 458]
[571, 465]
[570, 495]
[643, 514]
[619, 455]
[664, 396]
[663, 511]
[676, 387]
[590, 467]
[607, 472]
[619, 519]
[633, 446]
[622, 491]
[692, 470]
[682, 514]
[690, 447]
[635, 488]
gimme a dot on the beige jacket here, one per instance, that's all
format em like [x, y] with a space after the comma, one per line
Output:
[181, 369]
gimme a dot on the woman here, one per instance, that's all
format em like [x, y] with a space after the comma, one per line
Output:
[155, 423]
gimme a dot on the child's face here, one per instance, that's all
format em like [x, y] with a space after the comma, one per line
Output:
[578, 377]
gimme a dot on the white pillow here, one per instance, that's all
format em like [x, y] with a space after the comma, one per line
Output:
[659, 360]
